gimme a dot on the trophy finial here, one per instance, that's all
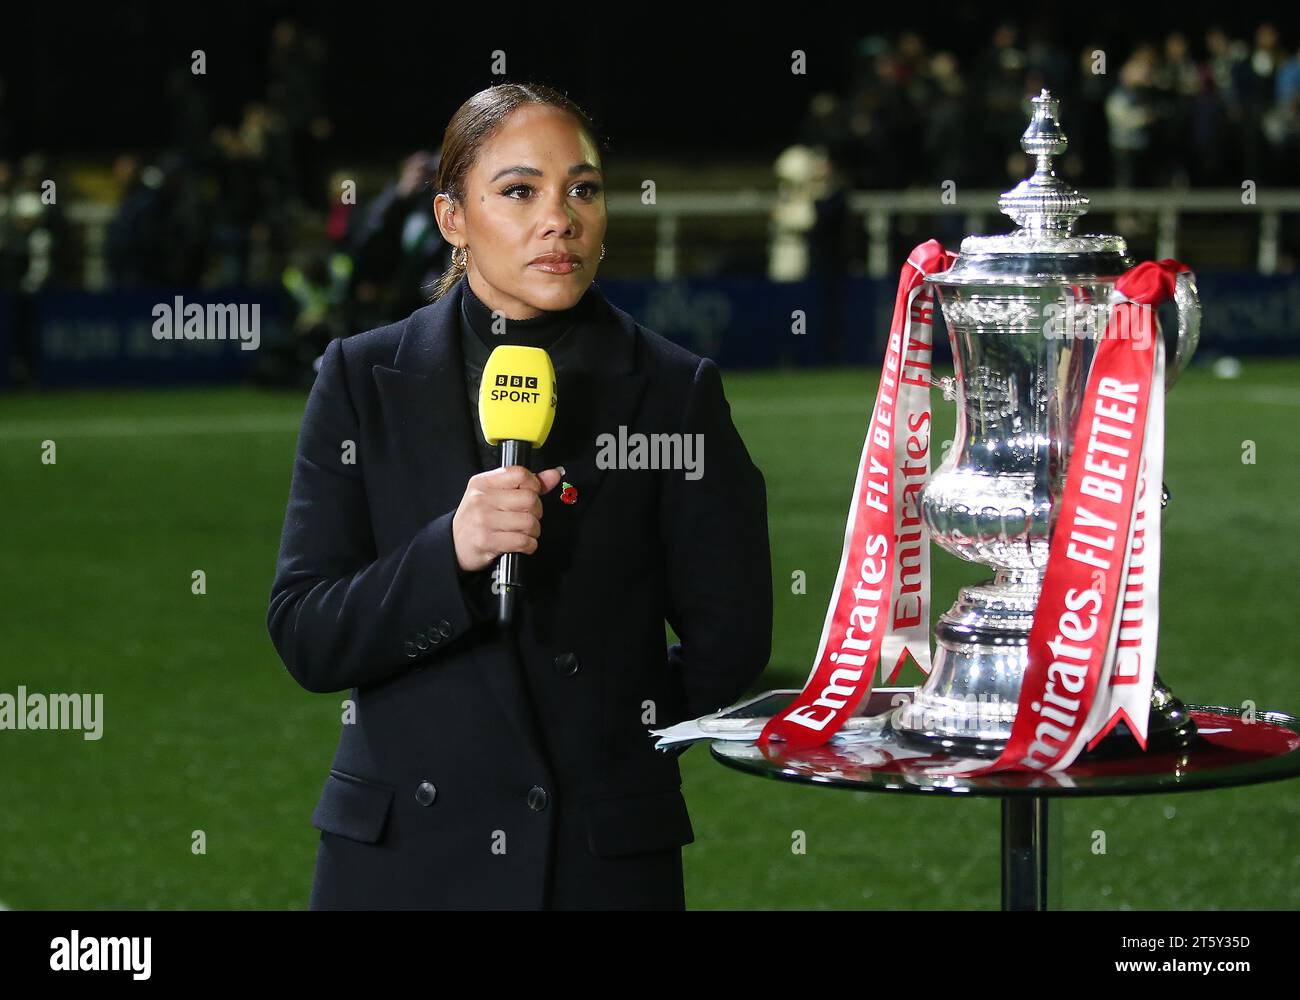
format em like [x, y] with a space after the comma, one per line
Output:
[1044, 135]
[1043, 204]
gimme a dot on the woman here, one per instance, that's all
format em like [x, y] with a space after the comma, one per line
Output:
[489, 767]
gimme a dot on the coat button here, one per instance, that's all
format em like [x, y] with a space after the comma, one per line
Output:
[567, 664]
[444, 628]
[433, 637]
[422, 643]
[537, 798]
[425, 793]
[411, 650]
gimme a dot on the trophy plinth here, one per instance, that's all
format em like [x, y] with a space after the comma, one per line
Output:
[1025, 313]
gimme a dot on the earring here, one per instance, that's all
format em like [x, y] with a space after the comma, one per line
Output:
[464, 258]
[602, 251]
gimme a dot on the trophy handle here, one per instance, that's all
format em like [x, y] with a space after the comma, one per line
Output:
[1188, 305]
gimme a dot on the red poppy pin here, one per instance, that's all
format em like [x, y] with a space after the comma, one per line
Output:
[568, 493]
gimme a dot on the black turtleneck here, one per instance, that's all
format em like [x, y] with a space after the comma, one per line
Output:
[552, 330]
[546, 330]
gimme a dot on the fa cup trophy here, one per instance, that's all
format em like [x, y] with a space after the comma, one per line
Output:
[1024, 312]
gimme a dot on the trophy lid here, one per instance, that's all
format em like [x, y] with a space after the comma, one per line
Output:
[1044, 208]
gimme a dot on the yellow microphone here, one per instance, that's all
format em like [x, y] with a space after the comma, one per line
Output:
[516, 407]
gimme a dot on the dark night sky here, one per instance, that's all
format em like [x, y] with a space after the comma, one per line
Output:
[93, 80]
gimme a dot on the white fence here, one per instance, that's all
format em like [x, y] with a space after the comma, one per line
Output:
[877, 209]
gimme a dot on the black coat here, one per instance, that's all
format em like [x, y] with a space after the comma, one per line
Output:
[490, 770]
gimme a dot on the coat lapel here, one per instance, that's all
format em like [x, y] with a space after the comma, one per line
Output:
[423, 399]
[597, 391]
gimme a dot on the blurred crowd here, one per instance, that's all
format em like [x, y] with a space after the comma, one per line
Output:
[1205, 110]
[248, 204]
[253, 201]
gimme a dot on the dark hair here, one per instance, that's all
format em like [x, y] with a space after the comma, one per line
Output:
[473, 124]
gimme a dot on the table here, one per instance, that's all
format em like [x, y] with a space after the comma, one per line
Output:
[1232, 748]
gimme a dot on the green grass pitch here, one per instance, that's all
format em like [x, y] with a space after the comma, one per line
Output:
[205, 730]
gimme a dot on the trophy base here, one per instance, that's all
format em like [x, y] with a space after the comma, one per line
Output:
[1169, 730]
[967, 705]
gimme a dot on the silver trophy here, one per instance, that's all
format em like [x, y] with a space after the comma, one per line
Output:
[1025, 313]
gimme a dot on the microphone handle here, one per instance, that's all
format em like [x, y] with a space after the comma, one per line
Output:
[509, 577]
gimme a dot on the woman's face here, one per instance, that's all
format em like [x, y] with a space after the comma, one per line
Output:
[535, 190]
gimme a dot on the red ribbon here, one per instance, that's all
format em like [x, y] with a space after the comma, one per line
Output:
[862, 613]
[1061, 696]
[1150, 282]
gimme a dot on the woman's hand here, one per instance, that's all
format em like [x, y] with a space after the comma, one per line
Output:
[501, 511]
